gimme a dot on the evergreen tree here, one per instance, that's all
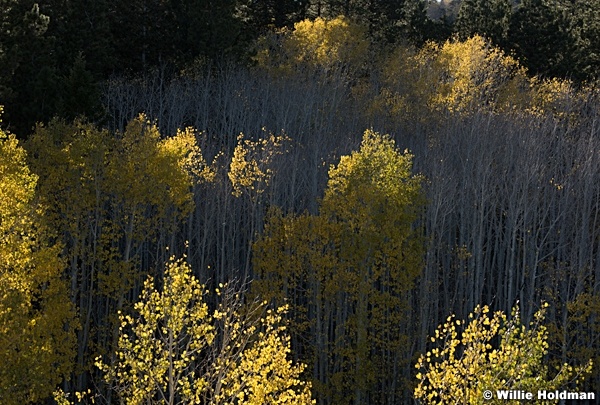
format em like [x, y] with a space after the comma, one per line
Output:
[487, 18]
[541, 38]
[268, 14]
[80, 95]
[389, 21]
[24, 63]
[586, 29]
[81, 30]
[209, 28]
[144, 33]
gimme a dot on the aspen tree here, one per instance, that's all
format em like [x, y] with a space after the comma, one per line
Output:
[111, 198]
[462, 364]
[350, 266]
[174, 350]
[36, 317]
[321, 44]
[457, 76]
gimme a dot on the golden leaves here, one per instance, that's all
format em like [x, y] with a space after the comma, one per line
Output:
[326, 43]
[315, 44]
[463, 77]
[457, 76]
[249, 170]
[109, 193]
[174, 349]
[36, 316]
[353, 262]
[164, 337]
[464, 364]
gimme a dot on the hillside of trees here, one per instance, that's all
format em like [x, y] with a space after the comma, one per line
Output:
[296, 202]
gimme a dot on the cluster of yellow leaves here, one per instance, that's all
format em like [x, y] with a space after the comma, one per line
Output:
[107, 190]
[107, 196]
[265, 374]
[150, 170]
[36, 339]
[474, 74]
[352, 264]
[173, 351]
[464, 77]
[576, 333]
[249, 170]
[457, 76]
[491, 353]
[319, 43]
[157, 349]
[556, 97]
[189, 156]
[375, 175]
[62, 398]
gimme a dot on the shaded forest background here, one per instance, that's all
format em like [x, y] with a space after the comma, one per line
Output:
[250, 110]
[56, 55]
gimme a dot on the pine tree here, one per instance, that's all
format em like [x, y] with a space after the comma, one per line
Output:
[541, 38]
[487, 18]
[586, 32]
[25, 65]
[390, 21]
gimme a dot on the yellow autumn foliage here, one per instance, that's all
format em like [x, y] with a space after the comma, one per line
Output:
[465, 360]
[36, 316]
[464, 77]
[109, 197]
[249, 170]
[106, 189]
[174, 350]
[575, 333]
[325, 44]
[456, 76]
[353, 265]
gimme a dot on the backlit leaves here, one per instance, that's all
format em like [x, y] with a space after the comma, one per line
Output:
[488, 352]
[352, 265]
[174, 350]
[318, 44]
[249, 170]
[36, 317]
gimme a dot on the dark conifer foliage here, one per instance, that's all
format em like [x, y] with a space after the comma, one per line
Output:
[261, 15]
[488, 18]
[391, 21]
[41, 45]
[540, 36]
[586, 31]
[24, 54]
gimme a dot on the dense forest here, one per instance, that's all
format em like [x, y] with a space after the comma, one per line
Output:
[298, 201]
